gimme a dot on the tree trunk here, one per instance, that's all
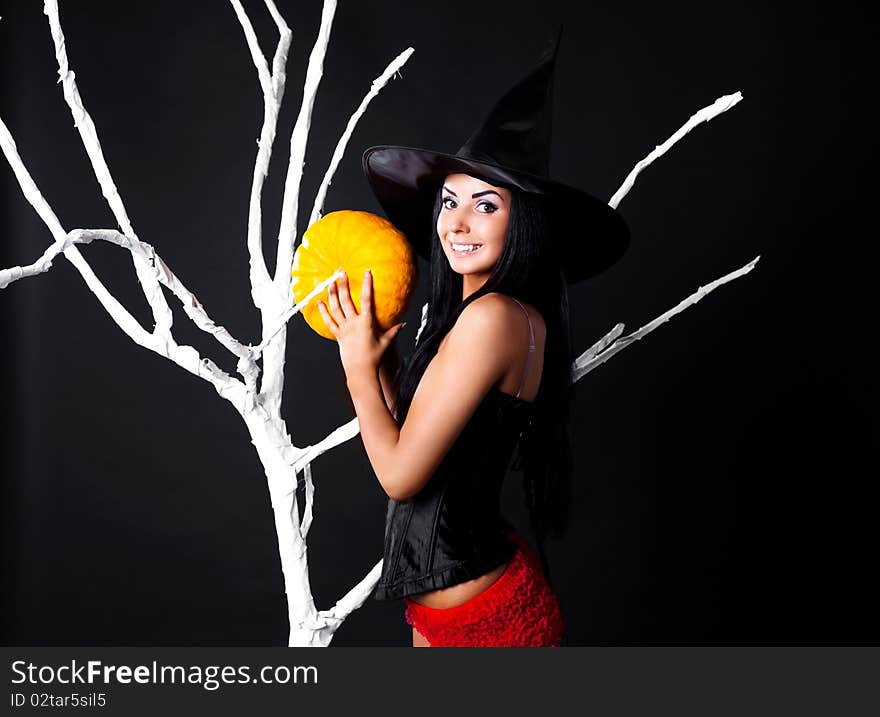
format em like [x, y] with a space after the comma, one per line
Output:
[277, 453]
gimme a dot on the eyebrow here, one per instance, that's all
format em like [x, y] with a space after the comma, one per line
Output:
[478, 194]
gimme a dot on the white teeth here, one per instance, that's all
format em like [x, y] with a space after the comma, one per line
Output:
[466, 247]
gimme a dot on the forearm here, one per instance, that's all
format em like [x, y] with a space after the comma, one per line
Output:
[379, 431]
[387, 370]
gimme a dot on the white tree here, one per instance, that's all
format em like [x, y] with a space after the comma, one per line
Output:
[256, 394]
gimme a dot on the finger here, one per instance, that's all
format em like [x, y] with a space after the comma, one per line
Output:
[367, 293]
[333, 303]
[391, 334]
[345, 297]
[331, 324]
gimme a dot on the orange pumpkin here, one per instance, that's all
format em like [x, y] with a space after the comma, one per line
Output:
[355, 241]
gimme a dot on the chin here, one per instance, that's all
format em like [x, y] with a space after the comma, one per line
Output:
[475, 271]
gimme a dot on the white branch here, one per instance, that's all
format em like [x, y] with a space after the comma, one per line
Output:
[165, 276]
[722, 104]
[272, 388]
[593, 357]
[340, 435]
[424, 321]
[296, 308]
[28, 186]
[254, 46]
[298, 141]
[44, 263]
[279, 61]
[354, 598]
[273, 93]
[83, 122]
[375, 87]
[310, 500]
[601, 343]
[117, 312]
[184, 356]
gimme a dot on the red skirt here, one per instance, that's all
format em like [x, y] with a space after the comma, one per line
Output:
[517, 610]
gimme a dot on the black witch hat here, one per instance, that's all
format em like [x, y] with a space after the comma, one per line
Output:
[512, 148]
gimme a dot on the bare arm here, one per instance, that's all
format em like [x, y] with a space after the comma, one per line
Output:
[387, 369]
[476, 355]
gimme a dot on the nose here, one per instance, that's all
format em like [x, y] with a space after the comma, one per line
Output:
[452, 222]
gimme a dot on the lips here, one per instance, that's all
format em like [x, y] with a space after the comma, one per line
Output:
[466, 252]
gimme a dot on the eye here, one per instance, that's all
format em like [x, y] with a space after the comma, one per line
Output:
[446, 199]
[492, 207]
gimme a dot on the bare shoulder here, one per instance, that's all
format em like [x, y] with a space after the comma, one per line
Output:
[501, 308]
[492, 308]
[484, 318]
[482, 323]
[513, 313]
[492, 321]
[497, 312]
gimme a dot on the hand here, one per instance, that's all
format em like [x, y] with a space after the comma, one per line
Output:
[361, 340]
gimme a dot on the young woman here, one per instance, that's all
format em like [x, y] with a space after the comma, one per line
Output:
[491, 372]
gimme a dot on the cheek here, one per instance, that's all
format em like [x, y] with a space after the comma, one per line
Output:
[499, 230]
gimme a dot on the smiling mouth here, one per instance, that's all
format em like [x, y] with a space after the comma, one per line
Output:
[464, 249]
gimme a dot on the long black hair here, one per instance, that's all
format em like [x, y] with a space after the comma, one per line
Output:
[529, 270]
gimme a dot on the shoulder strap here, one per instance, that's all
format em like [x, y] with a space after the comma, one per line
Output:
[531, 348]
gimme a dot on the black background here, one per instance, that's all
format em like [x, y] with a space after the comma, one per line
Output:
[726, 469]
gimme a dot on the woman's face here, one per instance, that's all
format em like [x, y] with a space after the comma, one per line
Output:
[472, 226]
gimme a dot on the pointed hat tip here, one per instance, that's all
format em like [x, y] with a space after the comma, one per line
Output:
[552, 46]
[558, 35]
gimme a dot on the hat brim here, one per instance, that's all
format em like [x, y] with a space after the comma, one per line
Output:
[589, 235]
